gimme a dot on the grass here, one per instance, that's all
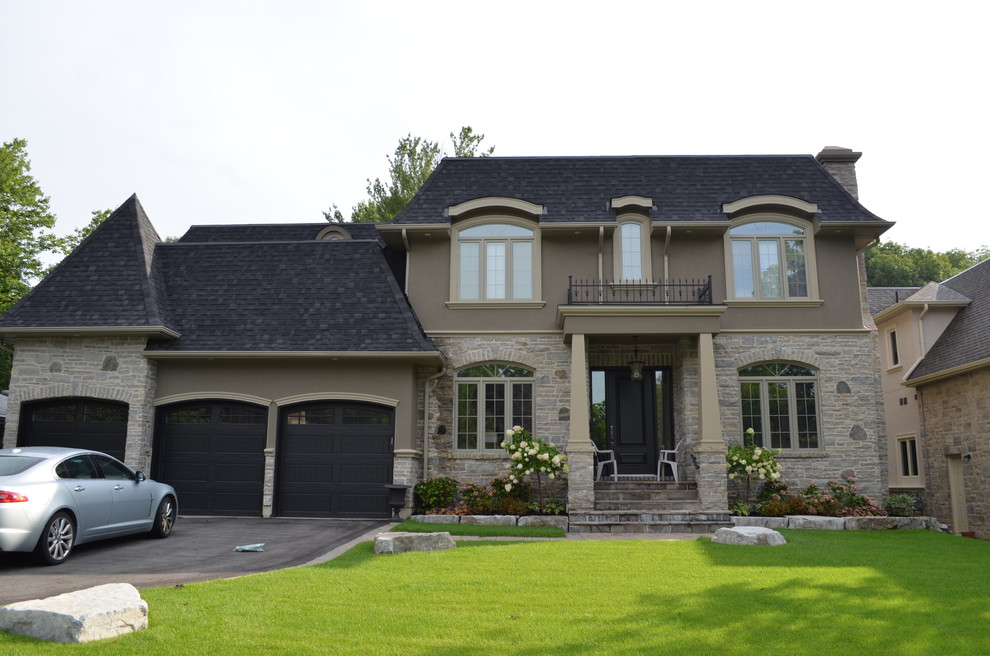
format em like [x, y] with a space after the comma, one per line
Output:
[482, 531]
[842, 592]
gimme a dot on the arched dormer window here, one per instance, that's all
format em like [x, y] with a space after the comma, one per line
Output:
[771, 258]
[632, 249]
[495, 259]
[332, 233]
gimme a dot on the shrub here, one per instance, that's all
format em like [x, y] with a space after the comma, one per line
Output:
[478, 499]
[900, 505]
[528, 455]
[838, 500]
[510, 506]
[747, 460]
[436, 493]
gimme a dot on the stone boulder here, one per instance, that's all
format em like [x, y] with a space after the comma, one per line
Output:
[104, 611]
[436, 519]
[756, 535]
[393, 543]
[489, 520]
[870, 523]
[558, 521]
[816, 522]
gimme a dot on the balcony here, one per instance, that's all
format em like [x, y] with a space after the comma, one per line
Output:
[603, 292]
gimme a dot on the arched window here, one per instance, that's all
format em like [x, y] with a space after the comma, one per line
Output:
[495, 262]
[769, 260]
[779, 402]
[491, 398]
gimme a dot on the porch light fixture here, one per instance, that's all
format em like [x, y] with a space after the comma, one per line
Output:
[636, 365]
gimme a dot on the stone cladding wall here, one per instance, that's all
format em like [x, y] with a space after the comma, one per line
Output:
[550, 360]
[109, 368]
[956, 415]
[851, 426]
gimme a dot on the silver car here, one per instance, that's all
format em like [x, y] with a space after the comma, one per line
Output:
[52, 499]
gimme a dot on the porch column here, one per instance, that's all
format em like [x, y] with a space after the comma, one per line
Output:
[710, 450]
[580, 449]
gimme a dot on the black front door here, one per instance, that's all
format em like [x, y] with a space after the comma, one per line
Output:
[637, 416]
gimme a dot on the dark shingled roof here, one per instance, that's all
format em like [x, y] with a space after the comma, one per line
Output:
[967, 338]
[274, 232]
[882, 298]
[682, 188]
[286, 296]
[107, 281]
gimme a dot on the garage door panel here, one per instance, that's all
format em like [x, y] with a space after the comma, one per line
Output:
[79, 423]
[337, 467]
[216, 465]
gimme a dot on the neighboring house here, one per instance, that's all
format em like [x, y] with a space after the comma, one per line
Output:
[936, 382]
[297, 369]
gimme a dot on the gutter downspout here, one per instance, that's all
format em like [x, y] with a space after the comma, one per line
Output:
[666, 263]
[426, 420]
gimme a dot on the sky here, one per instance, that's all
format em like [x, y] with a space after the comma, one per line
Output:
[246, 111]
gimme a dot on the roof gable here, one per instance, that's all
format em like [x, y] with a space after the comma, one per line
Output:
[107, 281]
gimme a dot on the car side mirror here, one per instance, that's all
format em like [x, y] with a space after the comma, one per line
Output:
[139, 476]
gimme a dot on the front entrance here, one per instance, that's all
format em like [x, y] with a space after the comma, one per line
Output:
[633, 418]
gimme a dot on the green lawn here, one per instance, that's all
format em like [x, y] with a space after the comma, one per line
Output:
[842, 592]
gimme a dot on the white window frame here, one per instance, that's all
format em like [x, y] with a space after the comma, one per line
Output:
[793, 419]
[893, 352]
[488, 441]
[754, 243]
[913, 461]
[643, 225]
[508, 244]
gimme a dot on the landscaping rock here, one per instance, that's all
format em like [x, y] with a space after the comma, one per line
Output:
[489, 520]
[749, 535]
[393, 543]
[436, 519]
[816, 522]
[559, 521]
[105, 611]
[870, 523]
[765, 522]
[929, 523]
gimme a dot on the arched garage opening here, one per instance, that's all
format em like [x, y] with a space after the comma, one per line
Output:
[76, 423]
[213, 454]
[334, 459]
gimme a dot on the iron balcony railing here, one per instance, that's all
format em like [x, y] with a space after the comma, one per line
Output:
[634, 292]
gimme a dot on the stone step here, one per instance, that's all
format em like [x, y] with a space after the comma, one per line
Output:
[651, 484]
[699, 528]
[649, 505]
[635, 521]
[646, 495]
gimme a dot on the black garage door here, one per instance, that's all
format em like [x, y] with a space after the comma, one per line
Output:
[334, 460]
[75, 423]
[213, 454]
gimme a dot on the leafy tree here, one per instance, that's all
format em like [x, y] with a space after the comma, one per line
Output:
[896, 265]
[409, 167]
[68, 243]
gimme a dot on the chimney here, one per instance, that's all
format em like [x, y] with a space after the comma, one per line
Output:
[841, 163]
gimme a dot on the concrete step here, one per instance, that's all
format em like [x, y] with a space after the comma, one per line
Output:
[646, 495]
[649, 505]
[637, 521]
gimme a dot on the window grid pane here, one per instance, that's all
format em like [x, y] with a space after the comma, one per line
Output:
[742, 269]
[779, 415]
[769, 268]
[495, 270]
[470, 272]
[522, 270]
[752, 410]
[467, 415]
[631, 252]
[807, 415]
[494, 414]
[522, 405]
[797, 275]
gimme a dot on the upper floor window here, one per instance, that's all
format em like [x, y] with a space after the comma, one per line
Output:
[495, 262]
[491, 398]
[780, 403]
[769, 261]
[632, 250]
[894, 354]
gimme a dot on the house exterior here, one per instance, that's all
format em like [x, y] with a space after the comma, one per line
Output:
[634, 303]
[935, 364]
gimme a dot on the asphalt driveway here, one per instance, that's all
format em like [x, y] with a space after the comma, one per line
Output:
[200, 549]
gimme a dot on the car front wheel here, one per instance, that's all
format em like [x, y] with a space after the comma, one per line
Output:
[164, 519]
[56, 540]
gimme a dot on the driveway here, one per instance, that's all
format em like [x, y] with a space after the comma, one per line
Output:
[200, 549]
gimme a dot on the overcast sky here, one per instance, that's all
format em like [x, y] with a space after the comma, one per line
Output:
[239, 111]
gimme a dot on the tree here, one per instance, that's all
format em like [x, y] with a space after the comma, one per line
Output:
[896, 265]
[26, 224]
[68, 243]
[409, 167]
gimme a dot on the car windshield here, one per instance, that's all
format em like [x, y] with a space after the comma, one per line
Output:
[10, 465]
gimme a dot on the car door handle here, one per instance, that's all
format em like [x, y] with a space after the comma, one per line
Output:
[118, 487]
[79, 488]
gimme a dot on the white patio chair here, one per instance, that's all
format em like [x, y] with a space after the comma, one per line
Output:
[668, 457]
[605, 457]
